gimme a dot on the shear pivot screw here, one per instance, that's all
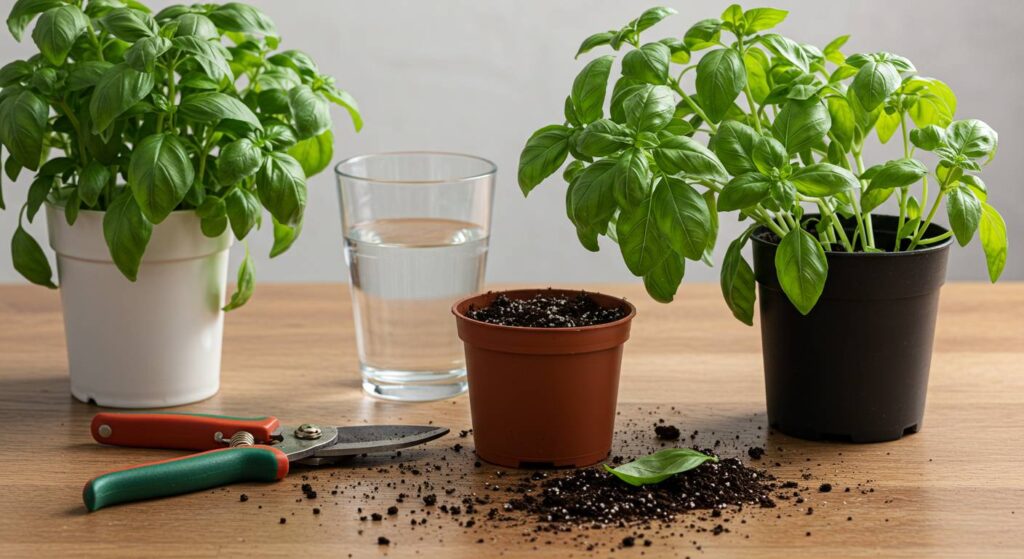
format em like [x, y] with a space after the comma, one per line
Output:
[308, 431]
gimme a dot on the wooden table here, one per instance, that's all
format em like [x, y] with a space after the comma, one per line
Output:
[954, 489]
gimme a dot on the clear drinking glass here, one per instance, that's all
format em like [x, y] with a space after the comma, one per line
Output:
[416, 228]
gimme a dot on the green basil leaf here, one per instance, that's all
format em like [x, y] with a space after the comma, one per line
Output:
[130, 25]
[211, 107]
[732, 19]
[865, 119]
[844, 121]
[788, 50]
[29, 259]
[23, 123]
[682, 154]
[15, 72]
[314, 154]
[632, 177]
[833, 55]
[801, 268]
[244, 211]
[972, 138]
[650, 108]
[737, 280]
[242, 18]
[344, 100]
[682, 216]
[783, 193]
[127, 233]
[592, 196]
[756, 64]
[802, 124]
[875, 82]
[589, 88]
[71, 207]
[744, 191]
[648, 63]
[543, 154]
[898, 173]
[573, 170]
[936, 103]
[769, 154]
[284, 236]
[160, 174]
[663, 280]
[56, 166]
[238, 160]
[595, 40]
[624, 89]
[11, 167]
[721, 76]
[734, 145]
[24, 11]
[909, 228]
[143, 55]
[603, 137]
[703, 34]
[211, 56]
[873, 198]
[245, 285]
[992, 232]
[83, 75]
[196, 25]
[642, 245]
[823, 179]
[651, 16]
[887, 125]
[274, 102]
[213, 216]
[56, 31]
[91, 181]
[659, 466]
[310, 111]
[759, 19]
[118, 90]
[964, 210]
[38, 191]
[281, 185]
[928, 138]
[976, 185]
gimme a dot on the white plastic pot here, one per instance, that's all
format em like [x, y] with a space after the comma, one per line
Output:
[150, 343]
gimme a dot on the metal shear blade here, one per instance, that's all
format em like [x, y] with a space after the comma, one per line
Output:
[366, 439]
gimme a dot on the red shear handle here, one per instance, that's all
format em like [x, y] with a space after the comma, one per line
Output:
[186, 431]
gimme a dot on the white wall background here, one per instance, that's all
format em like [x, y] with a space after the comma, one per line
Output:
[479, 76]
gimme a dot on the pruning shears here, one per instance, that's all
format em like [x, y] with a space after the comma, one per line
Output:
[235, 449]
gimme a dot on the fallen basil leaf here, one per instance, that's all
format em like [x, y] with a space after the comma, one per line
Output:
[660, 466]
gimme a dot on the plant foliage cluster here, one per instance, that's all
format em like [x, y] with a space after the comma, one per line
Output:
[138, 115]
[772, 129]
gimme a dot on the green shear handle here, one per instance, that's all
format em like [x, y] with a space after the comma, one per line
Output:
[190, 473]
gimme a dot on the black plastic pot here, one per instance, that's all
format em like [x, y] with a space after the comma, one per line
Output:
[856, 367]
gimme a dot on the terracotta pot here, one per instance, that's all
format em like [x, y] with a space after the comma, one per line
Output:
[542, 397]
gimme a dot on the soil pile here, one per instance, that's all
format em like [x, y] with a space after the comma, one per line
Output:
[594, 495]
[546, 310]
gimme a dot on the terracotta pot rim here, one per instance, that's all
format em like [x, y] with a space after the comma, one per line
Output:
[498, 327]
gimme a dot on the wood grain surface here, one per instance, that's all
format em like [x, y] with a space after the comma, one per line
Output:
[954, 489]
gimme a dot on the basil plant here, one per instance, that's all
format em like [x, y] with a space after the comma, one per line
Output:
[139, 115]
[771, 129]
